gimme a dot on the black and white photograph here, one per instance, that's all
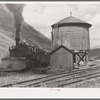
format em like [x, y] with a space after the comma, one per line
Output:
[50, 45]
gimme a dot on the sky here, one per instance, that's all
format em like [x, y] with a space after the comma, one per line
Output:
[42, 15]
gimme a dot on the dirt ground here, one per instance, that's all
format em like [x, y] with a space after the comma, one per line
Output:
[19, 77]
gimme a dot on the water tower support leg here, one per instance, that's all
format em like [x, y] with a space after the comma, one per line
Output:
[86, 59]
[81, 58]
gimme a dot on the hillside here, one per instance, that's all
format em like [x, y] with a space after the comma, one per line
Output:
[28, 33]
[34, 37]
[95, 53]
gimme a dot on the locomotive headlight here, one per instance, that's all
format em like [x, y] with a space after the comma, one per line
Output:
[49, 66]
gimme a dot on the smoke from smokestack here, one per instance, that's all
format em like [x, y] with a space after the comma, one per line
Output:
[16, 9]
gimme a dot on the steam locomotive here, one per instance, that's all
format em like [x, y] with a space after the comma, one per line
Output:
[36, 59]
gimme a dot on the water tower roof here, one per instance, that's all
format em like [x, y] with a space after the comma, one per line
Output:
[71, 20]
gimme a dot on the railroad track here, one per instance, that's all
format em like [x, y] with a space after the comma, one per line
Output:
[79, 79]
[55, 80]
[65, 81]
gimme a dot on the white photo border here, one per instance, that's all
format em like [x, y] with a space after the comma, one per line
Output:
[40, 93]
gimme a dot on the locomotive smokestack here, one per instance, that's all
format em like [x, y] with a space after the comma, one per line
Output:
[16, 9]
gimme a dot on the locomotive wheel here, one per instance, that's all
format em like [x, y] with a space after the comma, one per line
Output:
[40, 72]
[44, 71]
[34, 71]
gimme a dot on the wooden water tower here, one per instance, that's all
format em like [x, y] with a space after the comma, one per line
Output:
[74, 34]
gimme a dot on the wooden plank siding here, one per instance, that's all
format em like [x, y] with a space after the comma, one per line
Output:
[77, 37]
[73, 37]
[61, 60]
